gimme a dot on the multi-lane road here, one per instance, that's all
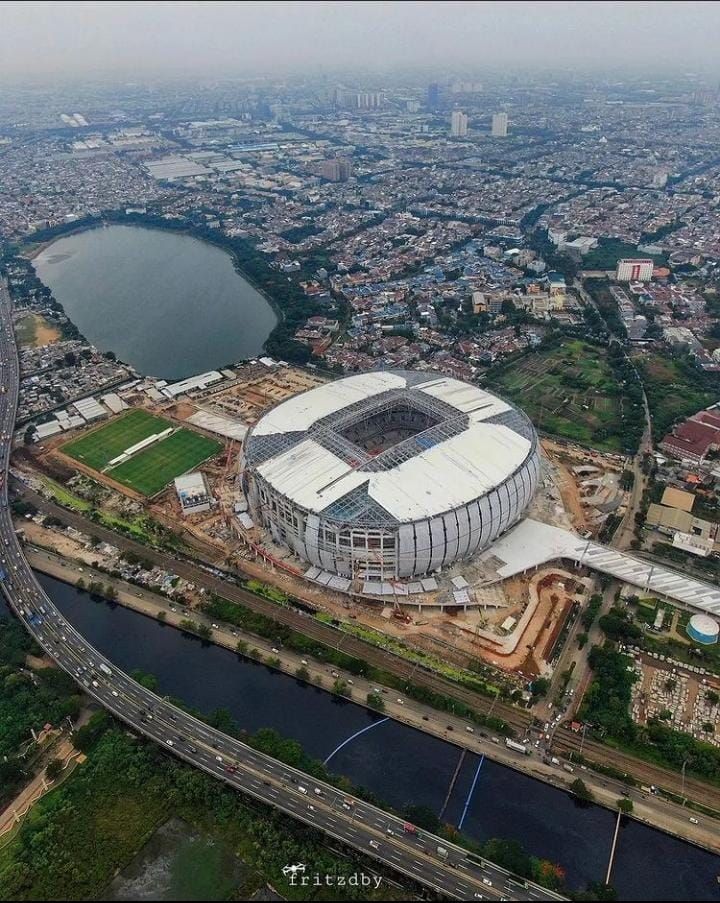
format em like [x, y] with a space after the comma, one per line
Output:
[426, 858]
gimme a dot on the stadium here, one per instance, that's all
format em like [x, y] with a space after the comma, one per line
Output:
[390, 474]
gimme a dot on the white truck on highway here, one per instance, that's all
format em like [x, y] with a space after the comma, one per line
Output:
[105, 670]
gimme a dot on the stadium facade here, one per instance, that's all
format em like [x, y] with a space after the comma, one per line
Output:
[390, 474]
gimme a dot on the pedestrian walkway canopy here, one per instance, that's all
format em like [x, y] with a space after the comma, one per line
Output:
[532, 544]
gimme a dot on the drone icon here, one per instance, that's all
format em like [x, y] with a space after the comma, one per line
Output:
[292, 870]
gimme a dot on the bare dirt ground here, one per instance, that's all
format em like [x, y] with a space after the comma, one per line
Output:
[563, 460]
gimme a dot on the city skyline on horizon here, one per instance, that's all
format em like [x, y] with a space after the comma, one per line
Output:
[40, 39]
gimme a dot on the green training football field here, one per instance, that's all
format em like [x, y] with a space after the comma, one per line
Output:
[106, 442]
[151, 470]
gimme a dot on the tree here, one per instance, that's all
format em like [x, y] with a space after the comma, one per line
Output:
[375, 701]
[422, 816]
[204, 632]
[302, 673]
[52, 772]
[625, 805]
[540, 686]
[582, 791]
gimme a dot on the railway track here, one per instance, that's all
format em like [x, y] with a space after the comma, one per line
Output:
[704, 794]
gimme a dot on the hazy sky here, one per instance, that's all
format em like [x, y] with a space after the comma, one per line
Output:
[145, 37]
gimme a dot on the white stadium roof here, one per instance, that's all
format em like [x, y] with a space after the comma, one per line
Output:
[453, 472]
[301, 411]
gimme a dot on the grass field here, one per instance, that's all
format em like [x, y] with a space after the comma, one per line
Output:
[106, 442]
[568, 391]
[151, 470]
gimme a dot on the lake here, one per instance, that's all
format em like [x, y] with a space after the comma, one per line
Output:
[166, 303]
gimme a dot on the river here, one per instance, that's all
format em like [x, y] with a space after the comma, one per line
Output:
[166, 303]
[398, 763]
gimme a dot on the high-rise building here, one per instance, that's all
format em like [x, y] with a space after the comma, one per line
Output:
[458, 124]
[369, 100]
[433, 96]
[338, 169]
[499, 125]
[359, 100]
[634, 270]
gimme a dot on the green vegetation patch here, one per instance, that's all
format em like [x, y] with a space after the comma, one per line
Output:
[152, 469]
[108, 441]
[567, 390]
[609, 250]
[675, 389]
[27, 702]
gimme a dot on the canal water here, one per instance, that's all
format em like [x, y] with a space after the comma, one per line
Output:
[399, 764]
[166, 303]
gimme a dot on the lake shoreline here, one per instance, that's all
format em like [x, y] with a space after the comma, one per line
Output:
[235, 324]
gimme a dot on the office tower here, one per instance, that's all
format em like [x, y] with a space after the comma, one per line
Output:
[458, 124]
[499, 125]
[433, 96]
